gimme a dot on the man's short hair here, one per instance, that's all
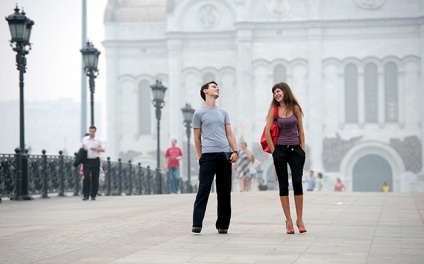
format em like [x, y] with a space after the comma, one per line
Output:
[92, 127]
[205, 86]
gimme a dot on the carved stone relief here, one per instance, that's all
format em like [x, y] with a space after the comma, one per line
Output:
[410, 152]
[334, 151]
[208, 16]
[278, 8]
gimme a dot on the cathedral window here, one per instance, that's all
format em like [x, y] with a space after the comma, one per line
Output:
[144, 106]
[371, 93]
[351, 93]
[391, 92]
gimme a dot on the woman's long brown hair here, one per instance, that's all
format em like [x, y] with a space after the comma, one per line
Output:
[288, 97]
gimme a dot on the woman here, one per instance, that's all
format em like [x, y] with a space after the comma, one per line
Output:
[243, 166]
[289, 149]
[384, 187]
[339, 186]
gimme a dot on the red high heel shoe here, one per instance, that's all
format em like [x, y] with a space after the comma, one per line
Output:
[301, 230]
[289, 231]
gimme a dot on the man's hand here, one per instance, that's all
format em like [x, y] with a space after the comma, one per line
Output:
[233, 157]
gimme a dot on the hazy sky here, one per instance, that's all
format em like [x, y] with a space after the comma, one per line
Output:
[54, 63]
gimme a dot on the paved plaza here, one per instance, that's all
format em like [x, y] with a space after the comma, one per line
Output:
[342, 228]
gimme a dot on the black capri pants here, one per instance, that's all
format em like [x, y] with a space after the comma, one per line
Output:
[294, 156]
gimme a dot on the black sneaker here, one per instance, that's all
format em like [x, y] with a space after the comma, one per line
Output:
[93, 198]
[85, 198]
[222, 230]
[196, 229]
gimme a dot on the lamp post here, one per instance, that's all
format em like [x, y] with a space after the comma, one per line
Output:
[20, 28]
[90, 56]
[188, 117]
[158, 91]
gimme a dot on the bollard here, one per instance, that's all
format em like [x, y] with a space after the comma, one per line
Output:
[130, 179]
[62, 181]
[77, 178]
[45, 186]
[120, 176]
[148, 179]
[159, 181]
[108, 177]
[139, 178]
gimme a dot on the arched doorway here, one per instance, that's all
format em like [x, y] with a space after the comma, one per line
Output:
[370, 172]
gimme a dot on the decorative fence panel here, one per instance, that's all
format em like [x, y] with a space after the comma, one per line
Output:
[56, 174]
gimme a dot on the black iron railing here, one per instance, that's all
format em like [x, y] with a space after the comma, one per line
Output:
[55, 174]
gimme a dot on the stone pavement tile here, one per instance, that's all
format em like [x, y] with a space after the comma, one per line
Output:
[386, 259]
[314, 258]
[342, 258]
[342, 228]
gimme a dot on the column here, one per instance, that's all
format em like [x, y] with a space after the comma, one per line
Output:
[421, 82]
[361, 98]
[314, 139]
[381, 96]
[245, 101]
[401, 99]
[175, 98]
[342, 96]
[112, 98]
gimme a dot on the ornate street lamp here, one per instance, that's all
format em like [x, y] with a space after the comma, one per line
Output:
[90, 56]
[158, 92]
[20, 29]
[188, 117]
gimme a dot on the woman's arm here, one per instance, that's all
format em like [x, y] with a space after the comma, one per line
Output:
[299, 116]
[269, 121]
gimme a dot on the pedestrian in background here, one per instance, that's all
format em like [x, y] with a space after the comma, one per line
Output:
[173, 155]
[289, 150]
[339, 186]
[384, 187]
[311, 180]
[320, 182]
[94, 146]
[244, 159]
[216, 149]
[254, 165]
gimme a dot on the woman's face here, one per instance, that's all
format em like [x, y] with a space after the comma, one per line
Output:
[278, 95]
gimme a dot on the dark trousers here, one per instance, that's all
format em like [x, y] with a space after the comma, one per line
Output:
[91, 177]
[211, 164]
[295, 158]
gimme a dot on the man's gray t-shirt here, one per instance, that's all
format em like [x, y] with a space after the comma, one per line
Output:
[211, 122]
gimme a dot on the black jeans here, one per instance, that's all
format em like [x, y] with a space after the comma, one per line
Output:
[294, 156]
[91, 177]
[211, 164]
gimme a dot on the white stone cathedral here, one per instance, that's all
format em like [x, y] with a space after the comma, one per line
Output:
[355, 66]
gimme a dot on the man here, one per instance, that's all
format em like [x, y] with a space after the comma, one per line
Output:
[216, 149]
[311, 181]
[172, 165]
[94, 146]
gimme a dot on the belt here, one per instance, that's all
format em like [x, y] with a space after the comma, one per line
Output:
[288, 146]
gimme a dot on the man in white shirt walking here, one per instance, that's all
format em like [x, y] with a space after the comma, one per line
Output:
[94, 146]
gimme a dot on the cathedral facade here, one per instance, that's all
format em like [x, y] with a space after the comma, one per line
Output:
[355, 67]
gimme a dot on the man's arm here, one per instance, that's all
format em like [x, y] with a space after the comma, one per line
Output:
[101, 148]
[232, 140]
[197, 142]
